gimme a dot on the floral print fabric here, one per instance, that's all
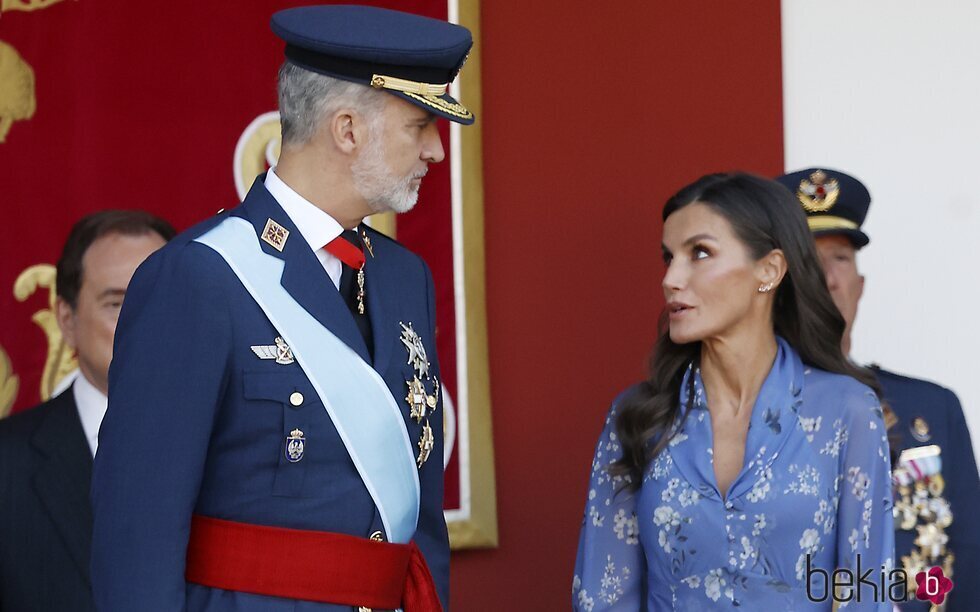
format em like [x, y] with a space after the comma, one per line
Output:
[813, 494]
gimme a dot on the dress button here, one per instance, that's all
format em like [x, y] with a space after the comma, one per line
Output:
[729, 505]
[296, 398]
[377, 536]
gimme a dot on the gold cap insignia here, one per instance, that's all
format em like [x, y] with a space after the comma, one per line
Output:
[818, 194]
[275, 235]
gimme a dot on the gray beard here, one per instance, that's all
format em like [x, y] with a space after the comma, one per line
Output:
[378, 185]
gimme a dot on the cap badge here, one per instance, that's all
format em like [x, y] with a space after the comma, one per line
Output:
[275, 235]
[818, 194]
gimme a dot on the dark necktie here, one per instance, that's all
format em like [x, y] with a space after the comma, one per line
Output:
[352, 261]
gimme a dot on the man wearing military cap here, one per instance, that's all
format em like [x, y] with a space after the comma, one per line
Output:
[273, 439]
[935, 478]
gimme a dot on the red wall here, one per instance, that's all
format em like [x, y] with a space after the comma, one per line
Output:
[593, 115]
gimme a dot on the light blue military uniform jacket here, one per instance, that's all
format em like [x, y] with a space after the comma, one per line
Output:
[197, 422]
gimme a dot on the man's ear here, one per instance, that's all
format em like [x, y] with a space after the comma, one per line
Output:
[65, 315]
[340, 126]
[771, 269]
[347, 129]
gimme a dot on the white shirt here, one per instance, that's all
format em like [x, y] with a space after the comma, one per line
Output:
[91, 405]
[317, 227]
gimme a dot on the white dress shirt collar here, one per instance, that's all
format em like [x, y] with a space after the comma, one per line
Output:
[317, 227]
[91, 405]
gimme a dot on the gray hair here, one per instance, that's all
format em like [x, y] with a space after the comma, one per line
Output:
[305, 97]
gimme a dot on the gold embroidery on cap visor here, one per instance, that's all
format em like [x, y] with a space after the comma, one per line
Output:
[451, 108]
[828, 222]
[429, 94]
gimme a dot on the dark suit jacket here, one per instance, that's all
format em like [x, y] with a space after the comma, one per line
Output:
[45, 516]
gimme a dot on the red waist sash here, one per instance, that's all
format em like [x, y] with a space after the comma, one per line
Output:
[309, 565]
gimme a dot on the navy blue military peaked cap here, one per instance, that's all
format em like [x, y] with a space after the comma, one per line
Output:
[835, 203]
[409, 56]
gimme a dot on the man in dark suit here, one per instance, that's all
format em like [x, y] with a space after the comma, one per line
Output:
[937, 489]
[46, 452]
[274, 427]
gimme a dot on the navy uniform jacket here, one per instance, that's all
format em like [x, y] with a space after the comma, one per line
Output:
[45, 517]
[197, 423]
[911, 398]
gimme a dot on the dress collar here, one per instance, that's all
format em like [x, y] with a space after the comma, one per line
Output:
[317, 227]
[774, 416]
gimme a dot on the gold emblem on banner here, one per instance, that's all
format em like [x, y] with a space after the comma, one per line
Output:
[61, 359]
[17, 101]
[17, 98]
[26, 5]
[9, 384]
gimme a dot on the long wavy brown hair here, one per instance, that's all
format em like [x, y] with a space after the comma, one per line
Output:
[764, 216]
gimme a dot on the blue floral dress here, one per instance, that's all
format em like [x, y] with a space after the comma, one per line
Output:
[814, 489]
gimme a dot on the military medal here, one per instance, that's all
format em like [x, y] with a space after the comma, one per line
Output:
[295, 446]
[919, 505]
[920, 429]
[426, 444]
[432, 400]
[416, 399]
[360, 290]
[416, 351]
[420, 402]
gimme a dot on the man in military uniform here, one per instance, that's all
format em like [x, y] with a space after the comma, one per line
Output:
[273, 437]
[937, 489]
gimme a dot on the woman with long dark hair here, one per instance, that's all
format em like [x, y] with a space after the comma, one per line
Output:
[753, 462]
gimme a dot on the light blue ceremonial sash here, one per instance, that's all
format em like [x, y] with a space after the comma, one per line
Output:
[355, 396]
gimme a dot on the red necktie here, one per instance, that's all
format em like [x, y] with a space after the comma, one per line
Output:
[343, 249]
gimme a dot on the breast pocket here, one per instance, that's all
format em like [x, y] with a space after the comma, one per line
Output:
[293, 395]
